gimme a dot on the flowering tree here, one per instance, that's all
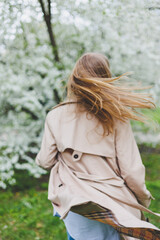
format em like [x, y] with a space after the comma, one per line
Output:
[34, 68]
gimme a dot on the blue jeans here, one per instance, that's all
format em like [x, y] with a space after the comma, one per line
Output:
[81, 227]
[69, 237]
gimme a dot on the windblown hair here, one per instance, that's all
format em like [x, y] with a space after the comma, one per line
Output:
[93, 86]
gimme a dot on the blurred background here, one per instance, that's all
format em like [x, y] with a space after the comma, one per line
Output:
[40, 40]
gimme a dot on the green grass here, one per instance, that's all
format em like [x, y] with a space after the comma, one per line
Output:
[152, 164]
[27, 214]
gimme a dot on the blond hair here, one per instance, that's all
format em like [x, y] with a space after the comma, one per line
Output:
[93, 86]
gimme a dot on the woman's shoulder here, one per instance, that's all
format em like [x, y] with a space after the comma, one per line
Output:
[62, 108]
[69, 110]
[64, 104]
[121, 125]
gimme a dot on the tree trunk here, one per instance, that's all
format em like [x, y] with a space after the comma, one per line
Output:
[47, 18]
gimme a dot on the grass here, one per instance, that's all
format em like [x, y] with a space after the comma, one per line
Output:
[29, 215]
[26, 213]
[152, 164]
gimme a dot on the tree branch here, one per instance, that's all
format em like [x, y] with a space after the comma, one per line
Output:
[49, 8]
[42, 7]
[56, 96]
[47, 19]
[9, 107]
[34, 116]
[153, 8]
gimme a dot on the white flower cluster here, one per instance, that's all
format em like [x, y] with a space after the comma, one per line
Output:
[126, 31]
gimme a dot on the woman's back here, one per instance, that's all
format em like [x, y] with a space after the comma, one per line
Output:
[96, 168]
[74, 127]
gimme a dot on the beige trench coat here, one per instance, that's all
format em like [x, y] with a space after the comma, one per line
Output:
[85, 166]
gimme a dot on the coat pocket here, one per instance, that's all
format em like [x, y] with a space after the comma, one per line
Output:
[55, 186]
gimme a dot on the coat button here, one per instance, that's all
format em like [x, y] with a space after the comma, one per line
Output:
[75, 156]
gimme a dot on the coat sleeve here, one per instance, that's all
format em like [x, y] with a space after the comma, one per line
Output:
[130, 162]
[46, 157]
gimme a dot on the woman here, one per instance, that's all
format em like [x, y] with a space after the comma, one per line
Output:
[97, 179]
